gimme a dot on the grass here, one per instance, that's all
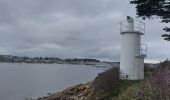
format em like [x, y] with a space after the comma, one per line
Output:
[129, 90]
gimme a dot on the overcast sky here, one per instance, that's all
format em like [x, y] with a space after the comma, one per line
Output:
[72, 28]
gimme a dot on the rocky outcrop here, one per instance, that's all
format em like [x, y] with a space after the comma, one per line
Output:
[78, 92]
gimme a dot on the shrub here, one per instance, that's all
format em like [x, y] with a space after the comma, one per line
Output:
[107, 82]
[157, 85]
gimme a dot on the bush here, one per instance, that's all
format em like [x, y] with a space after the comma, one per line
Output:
[108, 86]
[107, 82]
[157, 85]
[149, 70]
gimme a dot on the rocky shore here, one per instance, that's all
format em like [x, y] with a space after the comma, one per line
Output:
[78, 92]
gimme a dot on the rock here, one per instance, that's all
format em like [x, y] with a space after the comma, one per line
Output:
[82, 98]
[78, 92]
[72, 98]
[79, 95]
[86, 92]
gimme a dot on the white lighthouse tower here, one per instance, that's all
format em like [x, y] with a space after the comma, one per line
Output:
[132, 51]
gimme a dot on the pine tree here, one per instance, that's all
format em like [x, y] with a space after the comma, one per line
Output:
[154, 8]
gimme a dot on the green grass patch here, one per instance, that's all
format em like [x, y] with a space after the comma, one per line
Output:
[129, 90]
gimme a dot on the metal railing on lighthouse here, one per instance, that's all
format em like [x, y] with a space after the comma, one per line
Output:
[139, 26]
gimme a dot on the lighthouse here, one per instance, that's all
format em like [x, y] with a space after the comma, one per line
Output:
[132, 51]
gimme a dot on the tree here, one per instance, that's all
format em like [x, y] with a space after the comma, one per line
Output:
[154, 8]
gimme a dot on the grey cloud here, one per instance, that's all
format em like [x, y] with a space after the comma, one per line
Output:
[69, 28]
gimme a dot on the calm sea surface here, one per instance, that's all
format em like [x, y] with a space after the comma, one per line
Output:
[20, 81]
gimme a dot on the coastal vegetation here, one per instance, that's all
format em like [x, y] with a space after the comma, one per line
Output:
[155, 86]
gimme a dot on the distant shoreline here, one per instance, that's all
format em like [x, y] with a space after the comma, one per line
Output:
[92, 65]
[53, 60]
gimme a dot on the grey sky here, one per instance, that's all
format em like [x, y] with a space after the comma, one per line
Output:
[71, 28]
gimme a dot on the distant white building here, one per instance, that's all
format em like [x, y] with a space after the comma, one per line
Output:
[132, 51]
